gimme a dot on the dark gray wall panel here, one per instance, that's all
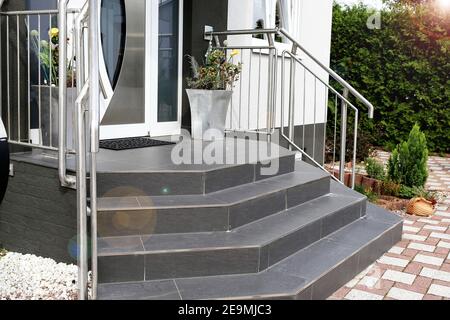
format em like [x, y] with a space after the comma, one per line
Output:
[37, 216]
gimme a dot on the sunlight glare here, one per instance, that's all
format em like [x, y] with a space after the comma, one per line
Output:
[445, 4]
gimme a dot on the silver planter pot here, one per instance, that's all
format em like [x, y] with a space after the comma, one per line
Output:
[49, 114]
[209, 109]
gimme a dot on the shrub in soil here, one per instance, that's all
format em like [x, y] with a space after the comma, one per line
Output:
[408, 163]
[390, 188]
[375, 169]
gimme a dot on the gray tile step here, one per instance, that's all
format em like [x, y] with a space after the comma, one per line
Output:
[315, 272]
[248, 249]
[220, 211]
[196, 180]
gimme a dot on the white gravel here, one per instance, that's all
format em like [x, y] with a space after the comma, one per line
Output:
[27, 277]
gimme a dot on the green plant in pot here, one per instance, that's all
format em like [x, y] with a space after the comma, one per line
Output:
[44, 95]
[210, 92]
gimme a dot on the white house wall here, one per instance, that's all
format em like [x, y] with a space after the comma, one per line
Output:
[250, 97]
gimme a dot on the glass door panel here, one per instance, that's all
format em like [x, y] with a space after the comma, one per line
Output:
[168, 60]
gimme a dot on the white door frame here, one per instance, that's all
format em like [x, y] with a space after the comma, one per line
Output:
[151, 71]
[122, 130]
[150, 126]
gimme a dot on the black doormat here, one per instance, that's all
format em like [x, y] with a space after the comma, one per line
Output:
[132, 143]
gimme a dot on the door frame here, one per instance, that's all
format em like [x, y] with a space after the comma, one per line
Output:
[152, 68]
[120, 130]
[150, 126]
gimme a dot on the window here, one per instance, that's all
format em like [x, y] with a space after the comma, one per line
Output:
[268, 14]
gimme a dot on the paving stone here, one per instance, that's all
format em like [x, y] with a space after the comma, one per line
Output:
[421, 247]
[431, 297]
[413, 268]
[401, 277]
[393, 261]
[429, 260]
[418, 267]
[362, 295]
[438, 290]
[397, 250]
[435, 274]
[440, 235]
[411, 229]
[435, 228]
[443, 214]
[369, 282]
[402, 294]
[444, 244]
[414, 237]
[429, 221]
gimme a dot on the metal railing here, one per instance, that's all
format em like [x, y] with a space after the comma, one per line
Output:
[310, 89]
[88, 124]
[31, 90]
[253, 104]
[28, 81]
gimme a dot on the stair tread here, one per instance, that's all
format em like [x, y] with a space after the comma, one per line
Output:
[302, 175]
[255, 234]
[299, 273]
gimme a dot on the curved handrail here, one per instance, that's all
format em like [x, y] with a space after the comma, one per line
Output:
[66, 180]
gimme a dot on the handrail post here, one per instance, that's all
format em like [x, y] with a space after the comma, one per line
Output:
[94, 117]
[82, 196]
[292, 97]
[331, 72]
[344, 116]
[66, 181]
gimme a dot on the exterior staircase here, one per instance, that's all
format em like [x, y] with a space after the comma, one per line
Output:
[230, 233]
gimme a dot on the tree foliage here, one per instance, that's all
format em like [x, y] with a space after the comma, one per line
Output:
[402, 68]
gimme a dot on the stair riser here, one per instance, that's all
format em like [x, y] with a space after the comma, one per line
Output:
[307, 235]
[206, 219]
[188, 183]
[313, 273]
[329, 283]
[198, 263]
[175, 265]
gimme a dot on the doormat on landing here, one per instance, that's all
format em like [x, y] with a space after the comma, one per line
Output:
[132, 143]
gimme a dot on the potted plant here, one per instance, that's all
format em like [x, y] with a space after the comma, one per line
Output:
[210, 92]
[47, 93]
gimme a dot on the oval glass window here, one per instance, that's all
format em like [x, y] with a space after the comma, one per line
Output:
[113, 35]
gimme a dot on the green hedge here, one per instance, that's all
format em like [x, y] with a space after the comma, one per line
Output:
[402, 70]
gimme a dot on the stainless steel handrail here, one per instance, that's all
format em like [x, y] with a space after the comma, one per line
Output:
[94, 117]
[65, 179]
[82, 194]
[81, 111]
[283, 32]
[332, 73]
[36, 12]
[90, 94]
[272, 67]
[345, 101]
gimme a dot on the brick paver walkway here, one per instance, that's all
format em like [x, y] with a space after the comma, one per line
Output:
[417, 268]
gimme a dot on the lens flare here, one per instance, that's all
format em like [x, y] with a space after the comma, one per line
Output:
[445, 4]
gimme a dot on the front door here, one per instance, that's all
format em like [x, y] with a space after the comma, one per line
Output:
[141, 69]
[164, 72]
